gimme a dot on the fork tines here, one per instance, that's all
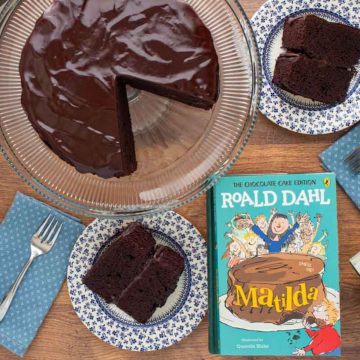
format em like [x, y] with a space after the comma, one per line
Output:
[354, 160]
[49, 230]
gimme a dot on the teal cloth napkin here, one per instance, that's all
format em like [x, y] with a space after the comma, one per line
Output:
[333, 159]
[44, 278]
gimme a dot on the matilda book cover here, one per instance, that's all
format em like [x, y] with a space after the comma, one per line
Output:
[273, 266]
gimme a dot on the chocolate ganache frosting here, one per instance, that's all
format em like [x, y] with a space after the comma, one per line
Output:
[79, 49]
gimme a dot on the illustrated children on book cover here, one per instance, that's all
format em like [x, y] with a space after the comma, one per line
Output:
[277, 266]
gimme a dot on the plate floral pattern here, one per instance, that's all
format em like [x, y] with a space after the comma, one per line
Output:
[184, 309]
[292, 112]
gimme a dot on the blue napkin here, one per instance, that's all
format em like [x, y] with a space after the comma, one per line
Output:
[333, 160]
[44, 278]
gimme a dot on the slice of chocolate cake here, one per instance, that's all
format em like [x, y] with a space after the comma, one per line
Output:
[123, 260]
[134, 274]
[335, 43]
[311, 78]
[151, 288]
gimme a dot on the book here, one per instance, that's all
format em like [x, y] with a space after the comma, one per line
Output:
[273, 266]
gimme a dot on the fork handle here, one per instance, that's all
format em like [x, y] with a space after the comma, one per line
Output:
[8, 298]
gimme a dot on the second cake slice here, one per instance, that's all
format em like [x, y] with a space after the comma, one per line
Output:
[135, 274]
[320, 58]
[151, 288]
[120, 262]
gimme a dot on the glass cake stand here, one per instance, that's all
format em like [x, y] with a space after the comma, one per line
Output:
[182, 151]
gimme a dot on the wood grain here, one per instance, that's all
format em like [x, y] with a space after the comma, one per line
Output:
[271, 149]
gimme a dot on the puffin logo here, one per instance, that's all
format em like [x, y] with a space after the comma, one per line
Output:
[327, 182]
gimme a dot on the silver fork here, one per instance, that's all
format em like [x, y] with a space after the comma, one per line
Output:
[354, 160]
[41, 243]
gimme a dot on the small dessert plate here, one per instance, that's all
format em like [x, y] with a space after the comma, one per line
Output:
[293, 112]
[184, 309]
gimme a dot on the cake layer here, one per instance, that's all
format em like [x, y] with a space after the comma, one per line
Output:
[78, 48]
[335, 43]
[151, 288]
[275, 288]
[120, 262]
[126, 137]
[160, 88]
[311, 78]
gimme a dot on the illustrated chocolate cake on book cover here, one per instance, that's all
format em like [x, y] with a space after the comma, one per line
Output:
[273, 266]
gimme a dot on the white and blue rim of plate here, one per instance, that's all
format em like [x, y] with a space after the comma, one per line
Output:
[173, 324]
[284, 109]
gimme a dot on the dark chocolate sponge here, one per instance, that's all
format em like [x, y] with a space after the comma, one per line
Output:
[134, 274]
[311, 78]
[120, 262]
[320, 60]
[335, 43]
[151, 288]
[126, 139]
[78, 48]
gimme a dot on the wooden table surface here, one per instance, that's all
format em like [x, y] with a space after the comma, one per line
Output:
[271, 149]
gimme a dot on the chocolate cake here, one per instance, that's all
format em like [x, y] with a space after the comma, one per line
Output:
[135, 274]
[320, 58]
[120, 262]
[275, 288]
[312, 78]
[151, 288]
[76, 52]
[334, 43]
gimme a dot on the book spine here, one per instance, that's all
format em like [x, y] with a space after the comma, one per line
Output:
[214, 347]
[336, 232]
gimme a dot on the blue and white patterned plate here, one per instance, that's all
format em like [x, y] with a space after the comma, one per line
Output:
[295, 112]
[184, 309]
